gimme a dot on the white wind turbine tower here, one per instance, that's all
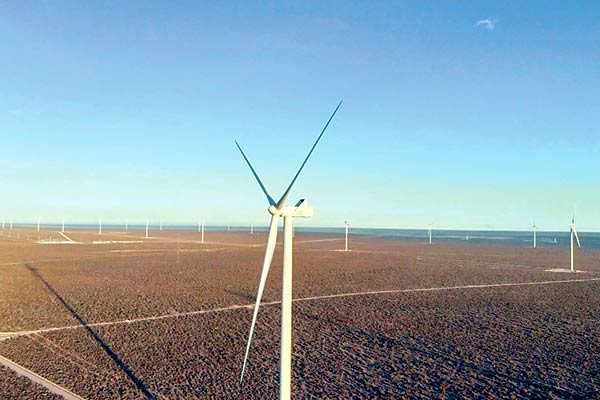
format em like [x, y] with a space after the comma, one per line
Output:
[146, 229]
[38, 224]
[100, 226]
[63, 226]
[277, 210]
[347, 225]
[430, 231]
[534, 234]
[573, 233]
[202, 231]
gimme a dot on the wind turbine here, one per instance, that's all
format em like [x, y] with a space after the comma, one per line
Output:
[63, 226]
[38, 225]
[347, 225]
[430, 231]
[573, 233]
[146, 229]
[100, 226]
[277, 210]
[534, 234]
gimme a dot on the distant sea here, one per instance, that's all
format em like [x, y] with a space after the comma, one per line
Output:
[589, 240]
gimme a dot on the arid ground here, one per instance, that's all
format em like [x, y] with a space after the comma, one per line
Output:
[133, 318]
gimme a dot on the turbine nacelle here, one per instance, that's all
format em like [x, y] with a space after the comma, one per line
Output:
[300, 210]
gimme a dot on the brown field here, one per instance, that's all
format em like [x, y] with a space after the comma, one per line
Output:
[127, 320]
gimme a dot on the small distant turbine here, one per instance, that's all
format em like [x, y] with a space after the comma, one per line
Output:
[430, 232]
[38, 224]
[278, 210]
[126, 225]
[534, 234]
[573, 230]
[100, 226]
[251, 229]
[146, 229]
[347, 225]
[202, 234]
[63, 226]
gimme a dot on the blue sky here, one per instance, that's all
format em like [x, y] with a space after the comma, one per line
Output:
[470, 114]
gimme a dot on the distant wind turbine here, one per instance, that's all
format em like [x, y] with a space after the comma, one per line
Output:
[277, 210]
[146, 229]
[430, 231]
[38, 224]
[573, 230]
[63, 226]
[534, 234]
[347, 225]
[100, 226]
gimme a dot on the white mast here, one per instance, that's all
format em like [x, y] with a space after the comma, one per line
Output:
[278, 210]
[573, 234]
[430, 230]
[251, 229]
[202, 235]
[126, 225]
[146, 229]
[534, 234]
[347, 224]
[38, 224]
[100, 226]
[63, 225]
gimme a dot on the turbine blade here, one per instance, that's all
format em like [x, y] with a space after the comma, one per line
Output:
[576, 236]
[262, 186]
[281, 201]
[263, 279]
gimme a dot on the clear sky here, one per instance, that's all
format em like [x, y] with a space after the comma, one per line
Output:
[470, 114]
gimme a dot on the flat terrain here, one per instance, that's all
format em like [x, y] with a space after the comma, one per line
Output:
[120, 316]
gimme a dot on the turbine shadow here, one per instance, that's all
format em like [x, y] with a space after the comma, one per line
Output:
[136, 381]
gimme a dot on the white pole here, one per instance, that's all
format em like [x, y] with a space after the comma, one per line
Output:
[285, 373]
[429, 234]
[63, 226]
[146, 229]
[126, 225]
[202, 231]
[100, 226]
[199, 223]
[572, 267]
[346, 223]
[251, 229]
[38, 228]
[534, 237]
